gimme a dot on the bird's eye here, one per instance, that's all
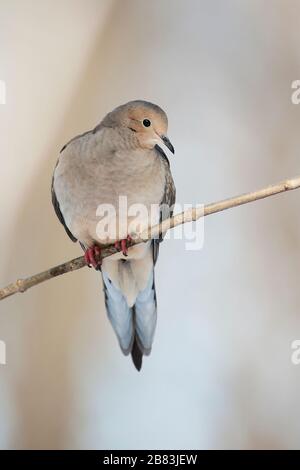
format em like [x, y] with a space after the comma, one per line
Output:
[146, 123]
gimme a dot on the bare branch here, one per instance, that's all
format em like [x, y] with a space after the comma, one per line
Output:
[21, 285]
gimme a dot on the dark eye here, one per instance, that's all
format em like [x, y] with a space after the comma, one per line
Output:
[146, 123]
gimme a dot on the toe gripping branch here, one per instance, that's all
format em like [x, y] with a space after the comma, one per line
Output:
[93, 254]
[93, 257]
[123, 245]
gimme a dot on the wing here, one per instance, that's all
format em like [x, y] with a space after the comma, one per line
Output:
[54, 198]
[167, 202]
[169, 195]
[78, 137]
[58, 212]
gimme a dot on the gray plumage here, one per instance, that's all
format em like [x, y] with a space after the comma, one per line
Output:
[120, 157]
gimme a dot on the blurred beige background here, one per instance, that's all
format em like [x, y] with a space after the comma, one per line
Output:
[220, 374]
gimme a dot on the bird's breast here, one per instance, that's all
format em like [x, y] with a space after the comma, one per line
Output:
[104, 197]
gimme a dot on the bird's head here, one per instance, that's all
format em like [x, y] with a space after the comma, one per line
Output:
[147, 121]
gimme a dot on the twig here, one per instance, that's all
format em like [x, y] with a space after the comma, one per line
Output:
[21, 285]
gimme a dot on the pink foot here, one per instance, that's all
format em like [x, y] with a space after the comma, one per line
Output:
[122, 245]
[93, 257]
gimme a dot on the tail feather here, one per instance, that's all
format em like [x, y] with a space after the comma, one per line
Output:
[134, 326]
[119, 314]
[136, 355]
[145, 316]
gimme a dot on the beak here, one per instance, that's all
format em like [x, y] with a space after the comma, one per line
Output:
[167, 143]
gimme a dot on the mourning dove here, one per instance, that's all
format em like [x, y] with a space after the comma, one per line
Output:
[122, 158]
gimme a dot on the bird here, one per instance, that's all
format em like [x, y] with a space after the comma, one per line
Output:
[123, 158]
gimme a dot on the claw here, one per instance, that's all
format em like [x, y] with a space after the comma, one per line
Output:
[93, 257]
[123, 245]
